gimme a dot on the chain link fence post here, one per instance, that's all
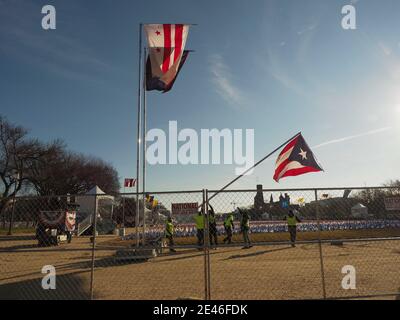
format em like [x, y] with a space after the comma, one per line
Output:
[208, 249]
[137, 217]
[321, 257]
[123, 210]
[12, 213]
[93, 247]
[205, 236]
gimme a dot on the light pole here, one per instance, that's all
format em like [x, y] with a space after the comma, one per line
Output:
[15, 178]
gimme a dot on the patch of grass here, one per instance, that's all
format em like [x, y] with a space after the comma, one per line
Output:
[17, 231]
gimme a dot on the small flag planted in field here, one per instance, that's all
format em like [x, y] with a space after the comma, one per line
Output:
[129, 183]
[300, 200]
[295, 159]
[151, 201]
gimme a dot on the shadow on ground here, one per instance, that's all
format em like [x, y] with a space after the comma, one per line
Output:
[72, 286]
[253, 254]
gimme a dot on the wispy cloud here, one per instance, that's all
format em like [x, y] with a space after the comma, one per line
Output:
[223, 80]
[383, 52]
[23, 39]
[275, 67]
[292, 76]
[368, 133]
[308, 28]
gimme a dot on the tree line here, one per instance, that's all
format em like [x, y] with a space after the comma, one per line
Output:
[31, 166]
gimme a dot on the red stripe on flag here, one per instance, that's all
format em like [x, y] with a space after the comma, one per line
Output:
[280, 168]
[167, 47]
[129, 183]
[289, 145]
[178, 41]
[299, 171]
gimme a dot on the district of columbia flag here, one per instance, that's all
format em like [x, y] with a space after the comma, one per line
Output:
[295, 159]
[155, 83]
[166, 45]
[129, 183]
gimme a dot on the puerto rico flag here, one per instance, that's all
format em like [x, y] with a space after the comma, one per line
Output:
[166, 45]
[295, 159]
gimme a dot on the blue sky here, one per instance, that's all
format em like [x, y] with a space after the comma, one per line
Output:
[277, 67]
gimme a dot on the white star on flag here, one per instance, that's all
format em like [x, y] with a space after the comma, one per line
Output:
[303, 154]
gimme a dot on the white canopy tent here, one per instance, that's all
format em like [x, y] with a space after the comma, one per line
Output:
[91, 199]
[359, 211]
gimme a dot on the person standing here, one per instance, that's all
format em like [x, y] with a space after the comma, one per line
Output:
[199, 220]
[245, 228]
[292, 220]
[229, 227]
[169, 233]
[213, 227]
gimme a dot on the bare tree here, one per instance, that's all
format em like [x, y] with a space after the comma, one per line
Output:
[17, 154]
[61, 172]
[48, 169]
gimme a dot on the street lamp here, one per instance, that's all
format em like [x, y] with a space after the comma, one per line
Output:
[14, 178]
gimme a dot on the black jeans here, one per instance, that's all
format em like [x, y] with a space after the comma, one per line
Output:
[69, 236]
[200, 237]
[292, 232]
[213, 234]
[170, 240]
[246, 237]
[228, 231]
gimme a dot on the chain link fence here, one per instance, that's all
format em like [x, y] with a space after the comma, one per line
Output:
[345, 245]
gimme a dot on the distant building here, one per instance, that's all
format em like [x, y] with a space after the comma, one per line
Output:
[259, 205]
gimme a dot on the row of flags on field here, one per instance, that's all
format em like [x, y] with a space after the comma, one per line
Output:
[166, 55]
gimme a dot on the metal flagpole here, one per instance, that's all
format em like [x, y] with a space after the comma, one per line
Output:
[321, 256]
[139, 115]
[267, 156]
[144, 145]
[123, 208]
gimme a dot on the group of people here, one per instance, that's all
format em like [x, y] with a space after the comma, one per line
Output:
[229, 226]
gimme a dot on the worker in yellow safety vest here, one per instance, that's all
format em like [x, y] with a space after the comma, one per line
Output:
[292, 220]
[199, 220]
[229, 227]
[169, 233]
[245, 228]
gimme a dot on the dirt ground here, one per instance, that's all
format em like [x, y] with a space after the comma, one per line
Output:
[262, 272]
